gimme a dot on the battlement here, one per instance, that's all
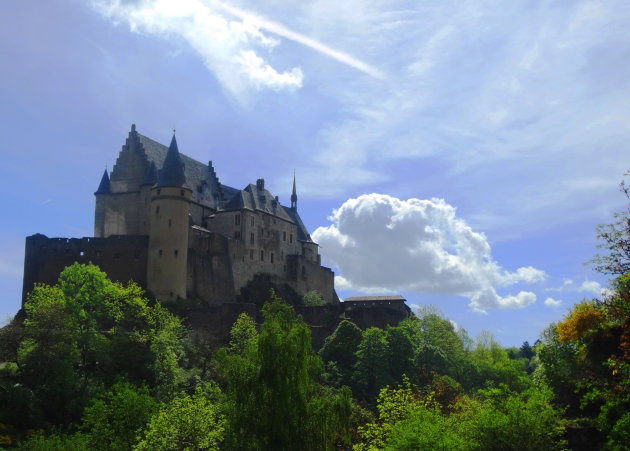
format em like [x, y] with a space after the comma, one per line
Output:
[122, 257]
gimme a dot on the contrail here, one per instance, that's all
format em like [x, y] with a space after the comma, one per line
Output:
[281, 30]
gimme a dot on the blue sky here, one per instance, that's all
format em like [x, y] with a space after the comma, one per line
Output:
[458, 153]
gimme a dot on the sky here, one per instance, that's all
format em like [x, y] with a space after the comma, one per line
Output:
[459, 153]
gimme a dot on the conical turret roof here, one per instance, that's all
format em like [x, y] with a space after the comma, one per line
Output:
[172, 173]
[104, 187]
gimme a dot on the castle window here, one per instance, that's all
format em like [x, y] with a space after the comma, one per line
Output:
[98, 253]
[252, 221]
[304, 272]
[181, 192]
[237, 220]
[284, 236]
[176, 252]
[251, 239]
[284, 268]
[159, 191]
[262, 255]
[291, 238]
[282, 255]
[251, 254]
[157, 210]
[160, 252]
[272, 257]
[237, 235]
[170, 221]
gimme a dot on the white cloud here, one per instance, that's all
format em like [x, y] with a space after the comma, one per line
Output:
[591, 286]
[381, 243]
[587, 286]
[304, 40]
[553, 303]
[227, 47]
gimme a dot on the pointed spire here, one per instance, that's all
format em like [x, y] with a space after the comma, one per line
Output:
[104, 186]
[294, 195]
[172, 173]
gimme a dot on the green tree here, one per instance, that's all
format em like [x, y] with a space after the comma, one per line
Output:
[313, 299]
[114, 420]
[401, 352]
[372, 367]
[504, 420]
[341, 347]
[87, 332]
[185, 423]
[273, 401]
[243, 334]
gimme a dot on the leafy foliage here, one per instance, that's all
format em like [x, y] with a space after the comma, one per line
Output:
[114, 420]
[273, 401]
[313, 299]
[83, 334]
[186, 423]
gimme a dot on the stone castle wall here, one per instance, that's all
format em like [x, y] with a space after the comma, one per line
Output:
[123, 258]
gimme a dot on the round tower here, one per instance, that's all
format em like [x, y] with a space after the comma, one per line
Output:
[168, 230]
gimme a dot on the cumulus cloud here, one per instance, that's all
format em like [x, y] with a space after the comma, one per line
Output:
[381, 243]
[553, 303]
[228, 48]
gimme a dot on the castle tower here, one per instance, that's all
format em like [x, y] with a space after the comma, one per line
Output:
[168, 229]
[294, 195]
[104, 188]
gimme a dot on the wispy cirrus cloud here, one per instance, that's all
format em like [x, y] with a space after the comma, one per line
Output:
[227, 47]
[492, 96]
[229, 40]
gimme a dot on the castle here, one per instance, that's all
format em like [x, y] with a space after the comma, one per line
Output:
[165, 221]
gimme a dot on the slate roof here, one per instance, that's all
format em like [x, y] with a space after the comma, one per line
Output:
[303, 234]
[200, 178]
[252, 198]
[172, 172]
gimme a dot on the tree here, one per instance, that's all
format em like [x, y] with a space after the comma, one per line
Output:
[87, 332]
[526, 350]
[502, 420]
[273, 401]
[313, 299]
[243, 334]
[341, 347]
[615, 238]
[114, 420]
[372, 367]
[185, 423]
